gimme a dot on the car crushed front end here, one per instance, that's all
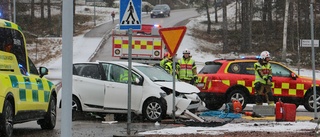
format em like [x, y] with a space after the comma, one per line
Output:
[186, 95]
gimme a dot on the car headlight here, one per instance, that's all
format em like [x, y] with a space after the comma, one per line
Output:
[151, 12]
[161, 11]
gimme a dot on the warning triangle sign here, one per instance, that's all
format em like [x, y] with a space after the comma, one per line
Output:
[130, 16]
[172, 37]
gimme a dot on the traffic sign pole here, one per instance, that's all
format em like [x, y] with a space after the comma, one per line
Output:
[130, 18]
[129, 81]
[172, 38]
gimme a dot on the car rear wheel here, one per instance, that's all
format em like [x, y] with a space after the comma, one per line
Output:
[49, 121]
[6, 120]
[308, 101]
[240, 96]
[153, 110]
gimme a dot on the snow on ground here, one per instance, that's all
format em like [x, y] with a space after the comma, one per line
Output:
[257, 126]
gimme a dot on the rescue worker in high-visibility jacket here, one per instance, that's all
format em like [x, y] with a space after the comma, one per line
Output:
[169, 66]
[164, 60]
[124, 76]
[187, 68]
[263, 79]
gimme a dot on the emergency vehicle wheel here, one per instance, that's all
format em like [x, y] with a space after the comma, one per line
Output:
[6, 120]
[153, 110]
[308, 101]
[49, 121]
[240, 96]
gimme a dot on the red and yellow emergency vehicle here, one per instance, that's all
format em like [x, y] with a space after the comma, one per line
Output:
[147, 44]
[223, 80]
[25, 95]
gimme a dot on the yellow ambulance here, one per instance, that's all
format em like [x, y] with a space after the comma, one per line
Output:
[25, 95]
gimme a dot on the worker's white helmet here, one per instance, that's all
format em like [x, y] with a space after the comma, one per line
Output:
[186, 51]
[264, 55]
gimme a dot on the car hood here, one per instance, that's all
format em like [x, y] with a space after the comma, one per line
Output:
[181, 87]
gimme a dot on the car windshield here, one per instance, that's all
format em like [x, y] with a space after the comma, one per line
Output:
[155, 73]
[158, 7]
[210, 68]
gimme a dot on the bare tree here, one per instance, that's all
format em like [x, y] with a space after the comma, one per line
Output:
[49, 16]
[42, 9]
[32, 11]
[245, 26]
[216, 11]
[204, 6]
[225, 27]
[285, 26]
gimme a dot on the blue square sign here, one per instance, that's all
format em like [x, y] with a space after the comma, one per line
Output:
[130, 14]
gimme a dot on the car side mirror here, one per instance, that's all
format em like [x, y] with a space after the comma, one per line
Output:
[294, 76]
[43, 71]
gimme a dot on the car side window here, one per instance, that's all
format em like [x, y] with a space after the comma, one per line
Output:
[88, 70]
[278, 70]
[241, 68]
[120, 74]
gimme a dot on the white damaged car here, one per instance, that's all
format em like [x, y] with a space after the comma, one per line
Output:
[102, 87]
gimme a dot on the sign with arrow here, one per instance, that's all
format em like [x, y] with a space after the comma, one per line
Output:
[172, 37]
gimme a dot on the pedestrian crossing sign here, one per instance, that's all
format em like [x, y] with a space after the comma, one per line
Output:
[130, 14]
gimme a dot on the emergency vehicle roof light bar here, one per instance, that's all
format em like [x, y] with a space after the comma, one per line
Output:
[250, 57]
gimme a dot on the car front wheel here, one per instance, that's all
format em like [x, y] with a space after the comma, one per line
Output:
[309, 100]
[6, 120]
[153, 110]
